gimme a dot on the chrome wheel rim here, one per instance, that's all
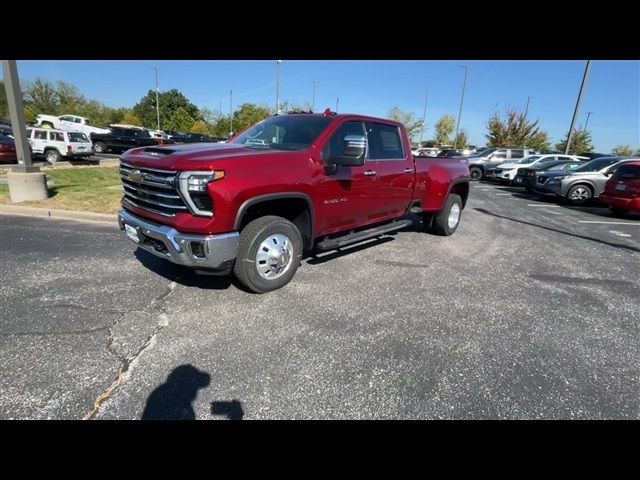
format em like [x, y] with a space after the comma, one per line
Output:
[51, 156]
[98, 148]
[580, 193]
[274, 257]
[454, 215]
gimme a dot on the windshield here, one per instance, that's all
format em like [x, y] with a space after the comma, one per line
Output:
[595, 165]
[78, 137]
[288, 132]
[529, 159]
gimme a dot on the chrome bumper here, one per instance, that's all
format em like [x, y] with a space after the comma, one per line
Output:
[212, 252]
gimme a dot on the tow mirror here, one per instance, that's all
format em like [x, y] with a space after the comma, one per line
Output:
[353, 151]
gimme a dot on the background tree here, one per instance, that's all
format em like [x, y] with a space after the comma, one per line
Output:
[4, 107]
[42, 96]
[249, 114]
[69, 98]
[580, 142]
[200, 126]
[130, 118]
[622, 151]
[170, 102]
[180, 120]
[515, 131]
[462, 139]
[445, 126]
[412, 125]
[637, 152]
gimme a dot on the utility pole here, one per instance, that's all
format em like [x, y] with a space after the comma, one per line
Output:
[26, 182]
[424, 117]
[230, 112]
[220, 110]
[588, 114]
[157, 98]
[313, 99]
[464, 85]
[526, 110]
[337, 103]
[587, 68]
[278, 62]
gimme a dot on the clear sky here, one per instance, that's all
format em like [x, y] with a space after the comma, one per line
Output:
[372, 87]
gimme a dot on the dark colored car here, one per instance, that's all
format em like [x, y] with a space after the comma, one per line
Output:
[120, 139]
[199, 137]
[7, 150]
[526, 177]
[6, 129]
[622, 191]
[452, 153]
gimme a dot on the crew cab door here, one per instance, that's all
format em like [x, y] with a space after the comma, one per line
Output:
[393, 165]
[346, 195]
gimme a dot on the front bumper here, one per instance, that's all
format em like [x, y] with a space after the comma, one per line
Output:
[206, 252]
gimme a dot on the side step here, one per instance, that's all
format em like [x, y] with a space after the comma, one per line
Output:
[362, 235]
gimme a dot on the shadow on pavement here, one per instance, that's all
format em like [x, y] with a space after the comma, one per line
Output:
[173, 399]
[615, 245]
[183, 276]
[232, 410]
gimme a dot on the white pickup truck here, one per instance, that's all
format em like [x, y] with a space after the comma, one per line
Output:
[70, 123]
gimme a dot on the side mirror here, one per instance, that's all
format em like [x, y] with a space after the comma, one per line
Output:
[353, 151]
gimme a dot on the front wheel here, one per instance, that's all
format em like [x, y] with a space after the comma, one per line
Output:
[99, 147]
[446, 221]
[269, 253]
[475, 173]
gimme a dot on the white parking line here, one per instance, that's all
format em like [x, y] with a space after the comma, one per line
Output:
[543, 205]
[609, 223]
[619, 234]
[503, 194]
[552, 212]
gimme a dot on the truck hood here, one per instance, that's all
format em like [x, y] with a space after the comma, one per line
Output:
[194, 155]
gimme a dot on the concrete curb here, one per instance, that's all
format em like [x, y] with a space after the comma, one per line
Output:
[58, 214]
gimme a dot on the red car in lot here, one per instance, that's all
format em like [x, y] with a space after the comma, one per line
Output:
[622, 191]
[7, 150]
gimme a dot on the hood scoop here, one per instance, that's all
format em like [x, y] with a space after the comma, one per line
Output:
[158, 152]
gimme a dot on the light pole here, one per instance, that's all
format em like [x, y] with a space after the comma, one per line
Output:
[157, 98]
[230, 113]
[526, 110]
[575, 111]
[337, 103]
[424, 117]
[278, 62]
[464, 85]
[313, 99]
[588, 114]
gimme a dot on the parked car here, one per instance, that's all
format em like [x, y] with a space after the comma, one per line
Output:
[120, 138]
[285, 185]
[56, 144]
[506, 172]
[7, 150]
[72, 123]
[427, 152]
[158, 134]
[580, 184]
[484, 164]
[527, 177]
[453, 153]
[6, 130]
[622, 191]
[199, 137]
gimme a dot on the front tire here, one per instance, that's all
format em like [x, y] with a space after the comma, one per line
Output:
[269, 254]
[475, 173]
[446, 221]
[99, 147]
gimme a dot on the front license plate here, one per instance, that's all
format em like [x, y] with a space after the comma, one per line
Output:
[132, 233]
[621, 186]
[518, 179]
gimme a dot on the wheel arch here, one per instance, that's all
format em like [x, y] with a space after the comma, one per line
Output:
[296, 207]
[460, 187]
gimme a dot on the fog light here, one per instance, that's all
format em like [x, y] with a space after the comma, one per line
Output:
[197, 249]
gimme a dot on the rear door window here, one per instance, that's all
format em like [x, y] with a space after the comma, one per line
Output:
[385, 142]
[56, 136]
[628, 171]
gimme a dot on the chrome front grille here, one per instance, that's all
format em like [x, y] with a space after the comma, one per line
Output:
[152, 189]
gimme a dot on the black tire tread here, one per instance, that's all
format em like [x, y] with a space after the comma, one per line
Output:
[439, 225]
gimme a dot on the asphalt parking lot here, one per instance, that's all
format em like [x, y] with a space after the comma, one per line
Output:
[531, 310]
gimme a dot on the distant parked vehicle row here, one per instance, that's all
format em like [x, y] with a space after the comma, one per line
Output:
[506, 172]
[73, 123]
[484, 164]
[120, 138]
[56, 144]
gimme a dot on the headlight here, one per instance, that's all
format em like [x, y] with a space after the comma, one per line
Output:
[193, 189]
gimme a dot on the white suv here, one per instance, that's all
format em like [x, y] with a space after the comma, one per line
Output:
[55, 144]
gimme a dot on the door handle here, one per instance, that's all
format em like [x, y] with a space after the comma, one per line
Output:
[370, 173]
[408, 170]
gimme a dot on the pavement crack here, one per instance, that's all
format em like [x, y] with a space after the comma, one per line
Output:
[127, 362]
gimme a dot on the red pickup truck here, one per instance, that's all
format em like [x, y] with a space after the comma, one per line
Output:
[289, 184]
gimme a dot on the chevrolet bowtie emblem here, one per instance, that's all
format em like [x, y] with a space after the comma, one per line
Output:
[135, 176]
